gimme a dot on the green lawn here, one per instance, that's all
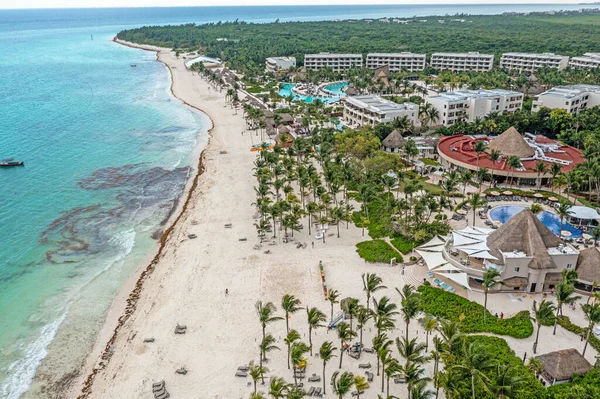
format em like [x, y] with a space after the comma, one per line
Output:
[429, 162]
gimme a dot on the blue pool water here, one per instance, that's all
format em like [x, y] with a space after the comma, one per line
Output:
[336, 88]
[550, 220]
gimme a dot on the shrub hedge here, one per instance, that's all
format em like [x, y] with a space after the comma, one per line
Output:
[450, 306]
[377, 251]
[404, 244]
[586, 386]
[566, 323]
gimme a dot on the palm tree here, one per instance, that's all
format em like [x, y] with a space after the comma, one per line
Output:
[267, 345]
[475, 363]
[342, 385]
[420, 391]
[542, 315]
[392, 369]
[429, 324]
[479, 147]
[266, 314]
[311, 209]
[383, 311]
[450, 333]
[381, 343]
[592, 315]
[555, 171]
[363, 315]
[278, 387]
[489, 282]
[257, 372]
[290, 305]
[564, 295]
[514, 163]
[563, 212]
[508, 382]
[465, 178]
[316, 319]
[360, 383]
[477, 202]
[411, 304]
[540, 168]
[326, 353]
[332, 297]
[352, 307]
[291, 337]
[371, 284]
[345, 334]
[257, 395]
[297, 355]
[384, 354]
[494, 157]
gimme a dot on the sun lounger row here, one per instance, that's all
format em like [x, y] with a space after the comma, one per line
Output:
[159, 390]
[180, 329]
[314, 391]
[443, 285]
[505, 198]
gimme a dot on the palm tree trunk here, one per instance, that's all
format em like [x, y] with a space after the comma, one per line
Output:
[341, 354]
[310, 339]
[383, 377]
[288, 356]
[556, 319]
[295, 378]
[537, 336]
[587, 339]
[287, 323]
[324, 364]
[407, 323]
[484, 304]
[473, 385]
[309, 224]
[387, 390]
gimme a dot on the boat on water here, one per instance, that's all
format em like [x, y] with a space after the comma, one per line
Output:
[11, 162]
[133, 65]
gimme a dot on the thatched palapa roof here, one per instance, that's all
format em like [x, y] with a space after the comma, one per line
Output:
[562, 365]
[516, 282]
[393, 140]
[588, 265]
[553, 278]
[286, 118]
[512, 143]
[524, 232]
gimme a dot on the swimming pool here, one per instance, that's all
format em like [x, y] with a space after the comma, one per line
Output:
[336, 88]
[550, 220]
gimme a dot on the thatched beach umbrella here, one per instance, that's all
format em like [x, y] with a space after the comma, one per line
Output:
[507, 192]
[538, 195]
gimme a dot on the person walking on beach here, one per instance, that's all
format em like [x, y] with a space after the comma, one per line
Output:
[226, 291]
[313, 244]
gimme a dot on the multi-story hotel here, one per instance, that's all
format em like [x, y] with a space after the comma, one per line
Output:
[588, 60]
[462, 61]
[469, 105]
[573, 98]
[397, 61]
[337, 62]
[532, 61]
[373, 110]
[274, 64]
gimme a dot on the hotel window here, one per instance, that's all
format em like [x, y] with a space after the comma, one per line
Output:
[569, 266]
[517, 269]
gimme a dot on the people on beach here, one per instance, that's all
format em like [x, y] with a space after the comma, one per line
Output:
[226, 291]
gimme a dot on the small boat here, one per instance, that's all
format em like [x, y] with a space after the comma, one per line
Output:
[133, 65]
[11, 162]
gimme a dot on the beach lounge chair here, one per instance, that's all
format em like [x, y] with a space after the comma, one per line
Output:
[399, 380]
[158, 390]
[364, 366]
[180, 329]
[228, 225]
[356, 393]
[243, 368]
[368, 350]
[430, 274]
[159, 384]
[314, 378]
[243, 239]
[164, 395]
[192, 236]
[370, 376]
[311, 391]
[317, 392]
[148, 340]
[242, 374]
[181, 370]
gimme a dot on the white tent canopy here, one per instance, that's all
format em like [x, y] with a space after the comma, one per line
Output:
[459, 239]
[446, 268]
[437, 248]
[584, 212]
[434, 242]
[432, 259]
[460, 278]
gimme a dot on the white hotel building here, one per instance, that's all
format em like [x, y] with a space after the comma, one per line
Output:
[533, 61]
[462, 61]
[588, 60]
[373, 110]
[469, 105]
[573, 98]
[396, 61]
[337, 62]
[274, 64]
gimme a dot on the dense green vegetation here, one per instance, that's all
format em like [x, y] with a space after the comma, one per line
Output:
[450, 306]
[404, 244]
[584, 387]
[248, 44]
[566, 323]
[377, 251]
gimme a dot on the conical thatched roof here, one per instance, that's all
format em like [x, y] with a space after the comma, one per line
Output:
[351, 91]
[393, 140]
[512, 143]
[524, 232]
[562, 365]
[588, 265]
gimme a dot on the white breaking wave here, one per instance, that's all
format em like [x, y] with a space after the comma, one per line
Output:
[22, 371]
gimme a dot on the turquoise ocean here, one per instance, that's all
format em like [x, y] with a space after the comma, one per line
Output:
[107, 153]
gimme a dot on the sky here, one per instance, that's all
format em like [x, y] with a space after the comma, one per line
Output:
[172, 3]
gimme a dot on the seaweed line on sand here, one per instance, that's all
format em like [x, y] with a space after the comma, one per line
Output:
[134, 296]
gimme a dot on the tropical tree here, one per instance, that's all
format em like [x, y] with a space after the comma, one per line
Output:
[297, 356]
[495, 155]
[429, 324]
[345, 334]
[332, 297]
[290, 305]
[371, 284]
[257, 372]
[489, 282]
[360, 383]
[477, 202]
[381, 344]
[479, 147]
[291, 337]
[267, 345]
[278, 388]
[540, 168]
[514, 163]
[507, 382]
[475, 362]
[316, 319]
[563, 212]
[592, 315]
[363, 315]
[564, 294]
[450, 333]
[384, 312]
[326, 352]
[266, 314]
[542, 314]
[342, 383]
[555, 171]
[410, 304]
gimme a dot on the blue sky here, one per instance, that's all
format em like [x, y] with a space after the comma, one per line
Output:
[172, 3]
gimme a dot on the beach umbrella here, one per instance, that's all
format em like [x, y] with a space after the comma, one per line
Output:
[586, 236]
[461, 212]
[507, 193]
[497, 223]
[538, 195]
[565, 233]
[554, 199]
[495, 193]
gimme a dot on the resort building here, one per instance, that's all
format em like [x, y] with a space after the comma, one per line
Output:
[456, 152]
[561, 366]
[462, 61]
[394, 142]
[275, 64]
[469, 105]
[397, 61]
[337, 62]
[373, 110]
[588, 269]
[533, 61]
[526, 253]
[571, 98]
[588, 60]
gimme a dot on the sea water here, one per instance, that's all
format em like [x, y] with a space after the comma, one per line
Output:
[107, 154]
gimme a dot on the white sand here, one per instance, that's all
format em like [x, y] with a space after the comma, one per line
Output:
[189, 282]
